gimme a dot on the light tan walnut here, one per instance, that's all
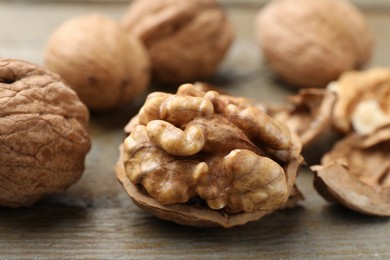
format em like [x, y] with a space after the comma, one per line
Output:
[356, 173]
[363, 100]
[202, 158]
[186, 40]
[310, 43]
[43, 134]
[105, 65]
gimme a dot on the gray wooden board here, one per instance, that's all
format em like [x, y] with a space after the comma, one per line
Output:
[95, 219]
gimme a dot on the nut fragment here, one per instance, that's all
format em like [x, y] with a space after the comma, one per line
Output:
[356, 173]
[186, 40]
[43, 135]
[310, 43]
[308, 114]
[96, 56]
[363, 100]
[196, 164]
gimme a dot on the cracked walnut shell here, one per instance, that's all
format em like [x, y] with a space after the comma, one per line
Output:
[308, 114]
[356, 173]
[43, 134]
[310, 43]
[363, 100]
[205, 159]
[99, 60]
[186, 40]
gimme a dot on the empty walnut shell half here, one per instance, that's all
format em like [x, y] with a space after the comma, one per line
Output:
[363, 100]
[205, 159]
[308, 114]
[43, 134]
[186, 40]
[356, 173]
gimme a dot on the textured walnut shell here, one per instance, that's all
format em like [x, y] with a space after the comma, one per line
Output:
[43, 134]
[104, 64]
[356, 173]
[363, 100]
[204, 159]
[186, 40]
[308, 114]
[310, 43]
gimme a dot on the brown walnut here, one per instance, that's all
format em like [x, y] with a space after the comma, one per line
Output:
[205, 159]
[309, 43]
[43, 133]
[186, 40]
[99, 60]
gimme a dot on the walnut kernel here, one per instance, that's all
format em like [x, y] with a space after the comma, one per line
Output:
[209, 153]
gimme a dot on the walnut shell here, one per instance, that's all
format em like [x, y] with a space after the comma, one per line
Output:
[204, 159]
[43, 133]
[310, 43]
[308, 114]
[186, 40]
[104, 64]
[356, 173]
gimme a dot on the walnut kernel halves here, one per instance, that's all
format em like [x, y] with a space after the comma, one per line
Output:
[204, 159]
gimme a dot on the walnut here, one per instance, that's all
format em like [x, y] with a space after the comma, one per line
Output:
[363, 102]
[96, 56]
[310, 43]
[356, 173]
[308, 114]
[205, 159]
[186, 40]
[43, 134]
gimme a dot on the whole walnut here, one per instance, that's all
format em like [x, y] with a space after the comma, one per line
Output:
[43, 134]
[104, 64]
[205, 159]
[186, 40]
[309, 43]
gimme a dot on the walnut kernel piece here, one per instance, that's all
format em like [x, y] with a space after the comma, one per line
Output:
[99, 60]
[363, 100]
[310, 43]
[43, 134]
[186, 40]
[356, 173]
[201, 158]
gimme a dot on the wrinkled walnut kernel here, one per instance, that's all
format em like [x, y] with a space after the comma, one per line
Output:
[198, 145]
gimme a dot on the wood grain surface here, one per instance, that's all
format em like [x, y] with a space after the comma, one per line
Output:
[95, 219]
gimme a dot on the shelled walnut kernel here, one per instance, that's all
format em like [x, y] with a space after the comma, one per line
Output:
[201, 158]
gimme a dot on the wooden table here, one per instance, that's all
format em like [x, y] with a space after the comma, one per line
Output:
[95, 219]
